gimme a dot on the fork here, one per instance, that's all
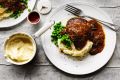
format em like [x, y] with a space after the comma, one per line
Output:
[78, 12]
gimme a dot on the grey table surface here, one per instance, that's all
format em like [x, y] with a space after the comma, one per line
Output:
[41, 69]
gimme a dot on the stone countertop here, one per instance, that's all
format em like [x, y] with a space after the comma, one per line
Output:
[41, 69]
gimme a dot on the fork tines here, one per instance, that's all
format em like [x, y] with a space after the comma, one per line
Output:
[72, 10]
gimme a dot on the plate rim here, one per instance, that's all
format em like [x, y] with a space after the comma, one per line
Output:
[84, 3]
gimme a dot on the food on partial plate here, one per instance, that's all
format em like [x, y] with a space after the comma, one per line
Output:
[12, 8]
[19, 48]
[78, 37]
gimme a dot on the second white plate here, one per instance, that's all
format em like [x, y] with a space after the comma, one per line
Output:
[11, 21]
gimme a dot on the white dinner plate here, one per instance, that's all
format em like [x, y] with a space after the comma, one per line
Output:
[11, 21]
[90, 63]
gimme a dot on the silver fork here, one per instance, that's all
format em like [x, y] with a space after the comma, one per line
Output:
[78, 12]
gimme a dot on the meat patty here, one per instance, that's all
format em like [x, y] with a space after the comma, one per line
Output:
[13, 5]
[77, 28]
[2, 0]
[80, 30]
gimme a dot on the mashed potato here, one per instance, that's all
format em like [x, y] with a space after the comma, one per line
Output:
[19, 48]
[2, 10]
[74, 52]
[3, 14]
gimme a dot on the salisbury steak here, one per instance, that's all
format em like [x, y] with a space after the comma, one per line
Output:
[77, 28]
[80, 30]
[13, 5]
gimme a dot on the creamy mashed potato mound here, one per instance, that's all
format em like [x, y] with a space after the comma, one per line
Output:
[2, 10]
[19, 48]
[4, 14]
[73, 51]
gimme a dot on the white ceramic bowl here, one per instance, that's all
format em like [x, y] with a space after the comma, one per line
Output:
[24, 62]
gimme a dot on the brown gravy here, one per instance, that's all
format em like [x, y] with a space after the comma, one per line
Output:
[97, 36]
[80, 30]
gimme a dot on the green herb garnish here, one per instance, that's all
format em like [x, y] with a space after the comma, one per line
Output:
[57, 28]
[66, 40]
[24, 1]
[29, 10]
[16, 14]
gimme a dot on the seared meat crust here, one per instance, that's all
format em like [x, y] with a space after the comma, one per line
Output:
[80, 30]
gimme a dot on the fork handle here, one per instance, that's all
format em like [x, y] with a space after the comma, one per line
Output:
[106, 23]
